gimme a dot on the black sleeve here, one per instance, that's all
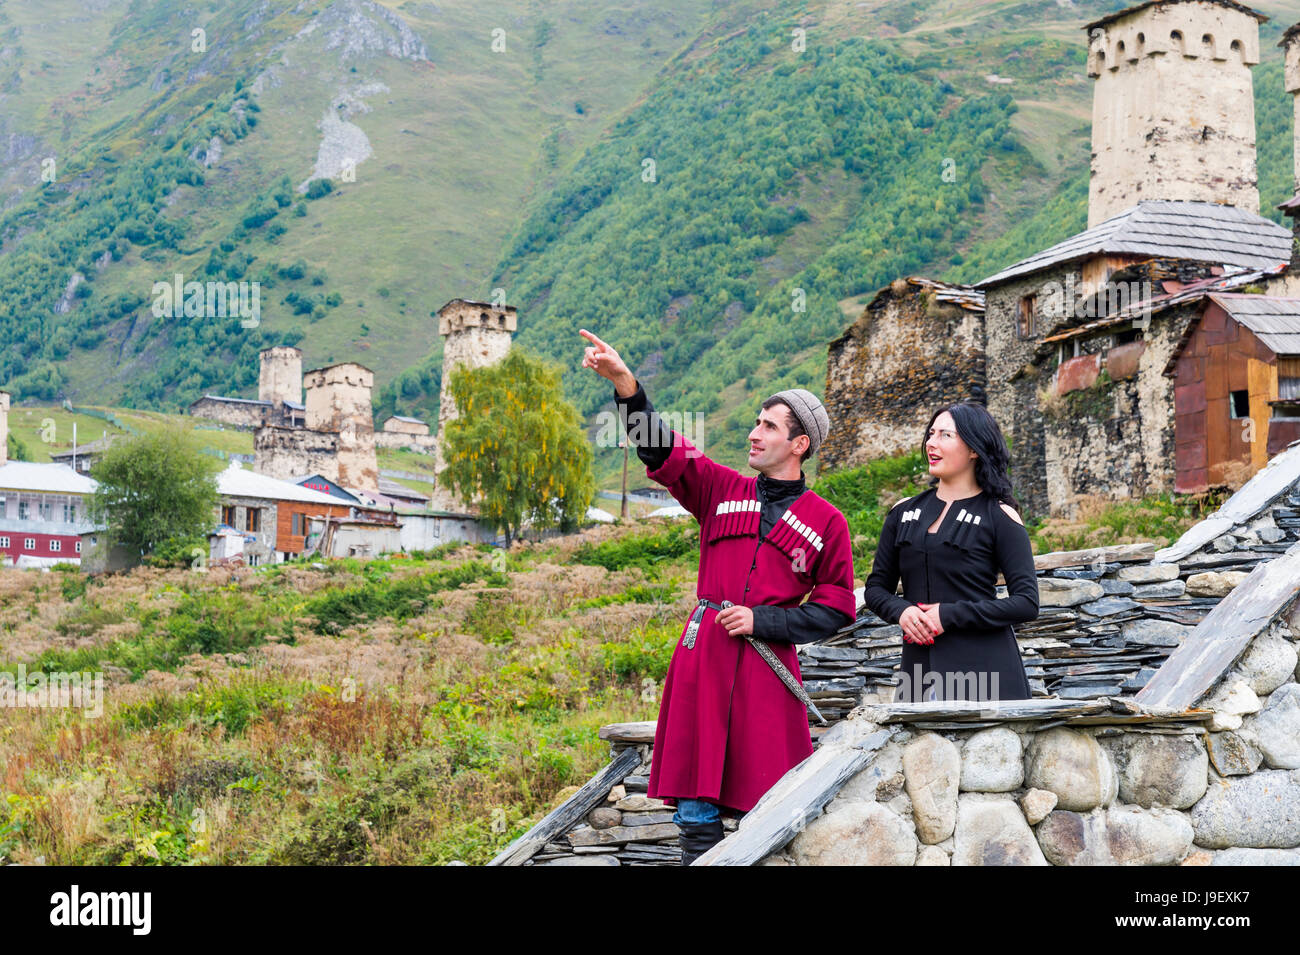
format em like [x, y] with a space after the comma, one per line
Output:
[878, 595]
[1015, 558]
[806, 623]
[645, 429]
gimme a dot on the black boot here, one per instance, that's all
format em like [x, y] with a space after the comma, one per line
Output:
[698, 838]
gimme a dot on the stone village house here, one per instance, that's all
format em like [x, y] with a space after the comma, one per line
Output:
[1135, 356]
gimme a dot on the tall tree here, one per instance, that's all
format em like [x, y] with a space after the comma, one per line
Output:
[517, 449]
[154, 488]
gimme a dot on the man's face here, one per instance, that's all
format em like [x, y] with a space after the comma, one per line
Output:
[769, 442]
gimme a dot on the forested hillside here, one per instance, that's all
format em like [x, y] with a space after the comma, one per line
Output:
[715, 187]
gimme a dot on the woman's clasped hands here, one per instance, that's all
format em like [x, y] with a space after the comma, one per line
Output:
[921, 623]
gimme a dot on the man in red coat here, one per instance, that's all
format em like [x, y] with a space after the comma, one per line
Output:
[728, 727]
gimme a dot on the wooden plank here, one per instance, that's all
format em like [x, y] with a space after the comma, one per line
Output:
[1208, 651]
[570, 812]
[1262, 389]
[640, 732]
[796, 799]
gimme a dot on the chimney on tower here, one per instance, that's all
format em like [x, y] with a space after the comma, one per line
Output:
[1173, 109]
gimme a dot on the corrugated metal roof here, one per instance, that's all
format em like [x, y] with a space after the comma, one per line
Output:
[1200, 231]
[242, 401]
[38, 476]
[1275, 321]
[237, 482]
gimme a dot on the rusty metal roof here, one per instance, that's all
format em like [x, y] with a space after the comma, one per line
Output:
[1169, 228]
[1158, 303]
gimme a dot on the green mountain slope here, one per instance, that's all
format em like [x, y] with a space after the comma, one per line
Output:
[713, 186]
[446, 137]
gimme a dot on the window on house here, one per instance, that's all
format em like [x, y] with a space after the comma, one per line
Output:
[29, 543]
[1026, 327]
[1128, 335]
[4, 542]
[253, 520]
[299, 525]
[1240, 404]
[56, 546]
[78, 547]
[228, 514]
[22, 510]
[1288, 379]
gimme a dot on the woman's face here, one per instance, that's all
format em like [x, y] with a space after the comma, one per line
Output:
[948, 455]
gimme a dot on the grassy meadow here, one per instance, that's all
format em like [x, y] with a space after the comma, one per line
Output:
[412, 709]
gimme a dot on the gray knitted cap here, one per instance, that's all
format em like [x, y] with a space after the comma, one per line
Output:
[810, 413]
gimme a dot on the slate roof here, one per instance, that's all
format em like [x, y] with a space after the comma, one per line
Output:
[1199, 231]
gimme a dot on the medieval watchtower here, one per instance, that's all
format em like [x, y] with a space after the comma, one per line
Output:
[338, 400]
[474, 334]
[1173, 114]
[280, 376]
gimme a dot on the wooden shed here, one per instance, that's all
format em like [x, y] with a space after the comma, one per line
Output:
[1236, 374]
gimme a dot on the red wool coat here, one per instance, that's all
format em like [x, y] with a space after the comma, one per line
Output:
[728, 728]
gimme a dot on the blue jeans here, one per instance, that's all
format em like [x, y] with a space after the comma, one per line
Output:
[695, 811]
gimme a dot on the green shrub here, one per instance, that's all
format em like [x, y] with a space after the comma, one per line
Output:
[647, 551]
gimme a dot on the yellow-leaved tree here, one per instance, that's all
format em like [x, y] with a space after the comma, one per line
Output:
[517, 448]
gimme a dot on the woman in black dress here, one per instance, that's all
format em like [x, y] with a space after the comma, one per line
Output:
[949, 543]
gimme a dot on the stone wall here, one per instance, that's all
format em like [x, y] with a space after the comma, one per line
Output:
[1115, 439]
[291, 452]
[906, 356]
[423, 443]
[1107, 617]
[234, 412]
[1224, 792]
[263, 548]
[1013, 383]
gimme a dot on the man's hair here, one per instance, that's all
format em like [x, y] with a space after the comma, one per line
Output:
[795, 428]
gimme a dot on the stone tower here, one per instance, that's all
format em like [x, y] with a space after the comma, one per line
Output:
[280, 377]
[474, 334]
[338, 401]
[1173, 110]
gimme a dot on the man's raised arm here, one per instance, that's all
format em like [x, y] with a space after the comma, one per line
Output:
[670, 459]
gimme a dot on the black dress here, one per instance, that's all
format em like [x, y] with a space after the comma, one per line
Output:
[976, 656]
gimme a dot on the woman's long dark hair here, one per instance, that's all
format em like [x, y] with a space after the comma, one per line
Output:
[982, 435]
